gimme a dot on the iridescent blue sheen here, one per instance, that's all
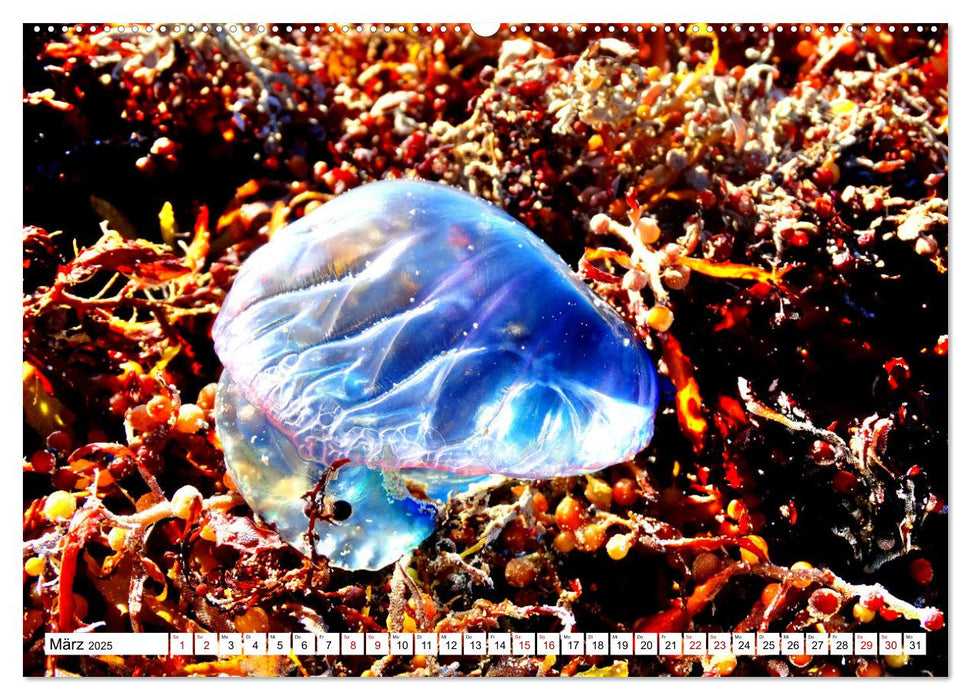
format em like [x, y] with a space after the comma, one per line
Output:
[422, 332]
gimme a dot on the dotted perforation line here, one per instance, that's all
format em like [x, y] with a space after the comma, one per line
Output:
[530, 29]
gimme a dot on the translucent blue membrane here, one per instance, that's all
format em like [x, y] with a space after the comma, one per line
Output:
[424, 335]
[384, 522]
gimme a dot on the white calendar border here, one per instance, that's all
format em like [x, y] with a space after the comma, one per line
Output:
[506, 10]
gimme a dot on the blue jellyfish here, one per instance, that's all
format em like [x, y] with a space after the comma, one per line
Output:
[404, 342]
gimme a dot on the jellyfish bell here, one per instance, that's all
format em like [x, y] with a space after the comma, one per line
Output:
[429, 343]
